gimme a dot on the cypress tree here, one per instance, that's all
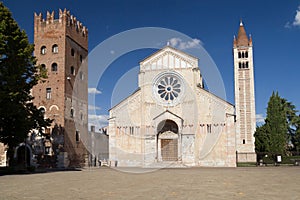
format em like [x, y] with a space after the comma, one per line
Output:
[276, 125]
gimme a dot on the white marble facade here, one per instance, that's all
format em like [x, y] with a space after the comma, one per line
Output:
[171, 118]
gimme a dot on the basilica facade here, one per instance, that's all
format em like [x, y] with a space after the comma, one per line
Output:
[172, 118]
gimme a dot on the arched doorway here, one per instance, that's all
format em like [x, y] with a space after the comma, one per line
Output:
[23, 156]
[167, 141]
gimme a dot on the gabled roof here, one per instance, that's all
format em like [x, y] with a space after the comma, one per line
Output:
[126, 98]
[168, 48]
[167, 111]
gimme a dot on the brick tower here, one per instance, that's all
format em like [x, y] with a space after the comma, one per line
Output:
[61, 47]
[244, 96]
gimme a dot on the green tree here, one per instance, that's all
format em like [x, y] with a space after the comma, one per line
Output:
[261, 139]
[18, 74]
[296, 136]
[276, 124]
[291, 117]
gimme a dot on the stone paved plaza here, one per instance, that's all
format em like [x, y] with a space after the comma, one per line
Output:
[192, 183]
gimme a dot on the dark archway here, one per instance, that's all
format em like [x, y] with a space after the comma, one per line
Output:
[167, 125]
[167, 140]
[23, 156]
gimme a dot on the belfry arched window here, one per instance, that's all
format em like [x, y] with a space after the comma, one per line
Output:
[240, 65]
[246, 54]
[239, 55]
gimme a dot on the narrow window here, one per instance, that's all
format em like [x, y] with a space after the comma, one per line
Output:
[80, 58]
[208, 128]
[81, 75]
[72, 52]
[72, 113]
[243, 55]
[72, 71]
[54, 67]
[43, 50]
[244, 142]
[77, 136]
[240, 65]
[246, 54]
[55, 48]
[239, 55]
[131, 129]
[81, 116]
[48, 93]
[243, 65]
[247, 64]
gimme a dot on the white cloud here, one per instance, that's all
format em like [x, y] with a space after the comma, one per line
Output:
[94, 91]
[99, 121]
[296, 21]
[92, 107]
[260, 118]
[182, 45]
[112, 52]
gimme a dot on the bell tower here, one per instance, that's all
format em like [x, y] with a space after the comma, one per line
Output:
[244, 96]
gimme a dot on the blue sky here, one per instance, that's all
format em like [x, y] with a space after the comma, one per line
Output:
[274, 26]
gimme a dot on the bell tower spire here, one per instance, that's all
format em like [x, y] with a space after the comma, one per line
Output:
[244, 96]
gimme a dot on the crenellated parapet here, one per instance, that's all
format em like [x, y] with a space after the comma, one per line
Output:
[65, 20]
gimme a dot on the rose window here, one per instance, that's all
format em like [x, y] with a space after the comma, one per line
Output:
[168, 88]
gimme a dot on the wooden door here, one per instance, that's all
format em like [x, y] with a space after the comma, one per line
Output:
[169, 149]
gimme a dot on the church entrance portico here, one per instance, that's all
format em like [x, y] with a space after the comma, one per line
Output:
[167, 141]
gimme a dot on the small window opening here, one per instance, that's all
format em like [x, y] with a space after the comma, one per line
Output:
[72, 112]
[54, 67]
[208, 128]
[77, 136]
[72, 71]
[48, 93]
[81, 75]
[55, 48]
[43, 50]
